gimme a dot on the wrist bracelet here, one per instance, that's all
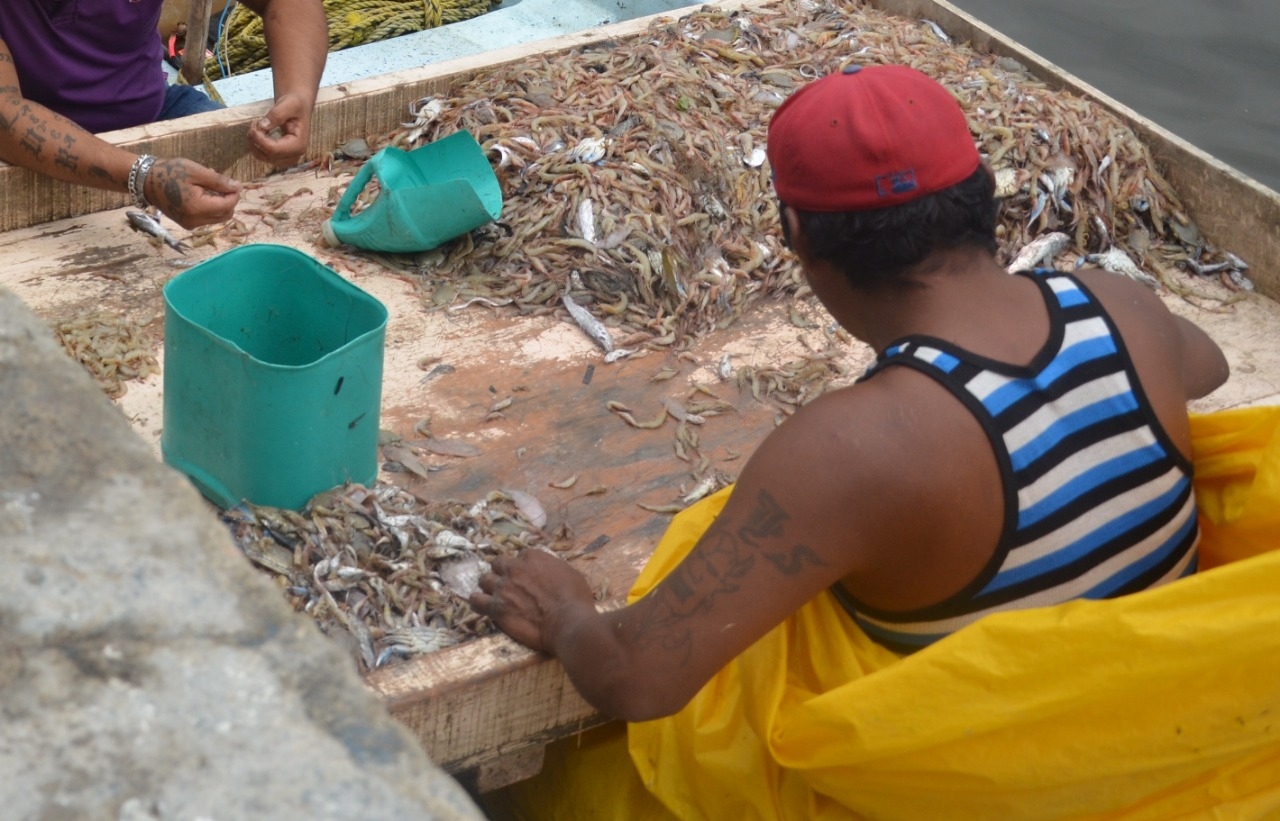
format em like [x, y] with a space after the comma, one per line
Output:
[138, 179]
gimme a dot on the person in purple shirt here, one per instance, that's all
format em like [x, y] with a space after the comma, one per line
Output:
[70, 69]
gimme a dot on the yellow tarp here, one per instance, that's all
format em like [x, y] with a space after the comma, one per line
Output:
[1160, 705]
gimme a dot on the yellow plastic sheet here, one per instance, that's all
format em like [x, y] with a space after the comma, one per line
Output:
[1160, 705]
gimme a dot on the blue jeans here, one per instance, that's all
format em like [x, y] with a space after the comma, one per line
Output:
[182, 101]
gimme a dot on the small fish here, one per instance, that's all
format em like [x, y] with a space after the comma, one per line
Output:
[1041, 200]
[149, 225]
[593, 327]
[937, 30]
[1040, 250]
[1104, 236]
[1205, 270]
[587, 220]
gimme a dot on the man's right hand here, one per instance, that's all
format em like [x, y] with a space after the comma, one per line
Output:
[190, 194]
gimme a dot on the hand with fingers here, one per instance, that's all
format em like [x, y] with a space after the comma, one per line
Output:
[281, 137]
[531, 595]
[189, 193]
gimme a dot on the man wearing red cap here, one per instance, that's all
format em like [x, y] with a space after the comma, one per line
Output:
[1020, 441]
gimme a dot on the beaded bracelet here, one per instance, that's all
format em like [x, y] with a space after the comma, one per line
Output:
[138, 179]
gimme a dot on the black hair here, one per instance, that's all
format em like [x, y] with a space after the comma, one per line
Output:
[877, 248]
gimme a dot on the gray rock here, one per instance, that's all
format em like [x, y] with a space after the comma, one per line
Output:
[147, 671]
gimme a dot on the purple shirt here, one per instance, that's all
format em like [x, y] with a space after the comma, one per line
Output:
[96, 62]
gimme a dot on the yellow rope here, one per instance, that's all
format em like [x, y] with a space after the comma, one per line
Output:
[242, 47]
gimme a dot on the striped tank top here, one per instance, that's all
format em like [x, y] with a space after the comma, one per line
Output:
[1098, 500]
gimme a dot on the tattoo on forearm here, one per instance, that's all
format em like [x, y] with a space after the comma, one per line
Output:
[170, 176]
[32, 142]
[66, 159]
[765, 520]
[718, 567]
[791, 564]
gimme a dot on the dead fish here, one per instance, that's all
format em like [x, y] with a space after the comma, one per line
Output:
[593, 327]
[462, 575]
[1042, 199]
[937, 30]
[1118, 262]
[149, 225]
[1206, 270]
[587, 220]
[529, 506]
[1038, 251]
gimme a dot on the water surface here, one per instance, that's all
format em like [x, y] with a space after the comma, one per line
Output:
[1207, 70]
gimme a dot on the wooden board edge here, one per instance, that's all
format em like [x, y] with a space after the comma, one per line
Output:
[478, 702]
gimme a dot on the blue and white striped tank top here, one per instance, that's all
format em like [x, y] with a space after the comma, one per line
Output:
[1098, 500]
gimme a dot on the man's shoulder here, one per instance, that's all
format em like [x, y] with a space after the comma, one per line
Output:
[873, 425]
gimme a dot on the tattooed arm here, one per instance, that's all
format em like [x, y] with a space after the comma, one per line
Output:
[34, 137]
[806, 512]
[297, 34]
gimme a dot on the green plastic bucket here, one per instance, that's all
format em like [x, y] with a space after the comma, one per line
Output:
[272, 377]
[426, 197]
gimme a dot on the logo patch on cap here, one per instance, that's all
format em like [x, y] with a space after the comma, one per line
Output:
[899, 182]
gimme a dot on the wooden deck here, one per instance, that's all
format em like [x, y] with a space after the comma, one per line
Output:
[487, 707]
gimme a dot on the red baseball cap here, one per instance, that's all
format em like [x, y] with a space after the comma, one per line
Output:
[868, 137]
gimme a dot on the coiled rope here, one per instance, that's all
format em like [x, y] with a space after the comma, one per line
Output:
[242, 47]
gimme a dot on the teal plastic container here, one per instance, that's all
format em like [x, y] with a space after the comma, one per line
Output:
[272, 377]
[426, 197]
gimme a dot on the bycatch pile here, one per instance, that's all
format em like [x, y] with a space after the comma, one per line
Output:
[386, 572]
[639, 166]
[111, 348]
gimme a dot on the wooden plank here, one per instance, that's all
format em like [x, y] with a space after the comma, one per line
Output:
[197, 34]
